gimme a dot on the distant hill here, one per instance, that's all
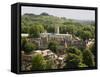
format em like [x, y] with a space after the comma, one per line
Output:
[45, 18]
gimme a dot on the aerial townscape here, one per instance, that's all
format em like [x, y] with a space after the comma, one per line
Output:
[51, 42]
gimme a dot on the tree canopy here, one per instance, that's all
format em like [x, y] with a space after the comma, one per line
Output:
[88, 58]
[82, 29]
[38, 62]
[53, 46]
[35, 30]
[26, 46]
[74, 58]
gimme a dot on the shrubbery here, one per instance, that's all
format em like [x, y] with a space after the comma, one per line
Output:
[53, 46]
[26, 46]
[38, 62]
[29, 47]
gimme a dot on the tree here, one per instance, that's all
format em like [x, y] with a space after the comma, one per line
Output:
[88, 58]
[74, 50]
[38, 62]
[84, 34]
[35, 30]
[74, 58]
[24, 29]
[72, 61]
[26, 46]
[29, 47]
[91, 29]
[87, 35]
[45, 14]
[53, 46]
[51, 29]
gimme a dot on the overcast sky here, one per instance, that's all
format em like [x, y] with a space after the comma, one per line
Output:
[68, 13]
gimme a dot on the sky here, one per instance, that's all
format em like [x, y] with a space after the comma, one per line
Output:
[67, 13]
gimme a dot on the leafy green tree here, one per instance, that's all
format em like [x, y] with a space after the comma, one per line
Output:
[71, 29]
[73, 61]
[74, 58]
[79, 33]
[24, 29]
[88, 58]
[87, 35]
[63, 29]
[84, 34]
[38, 62]
[74, 50]
[91, 29]
[53, 46]
[51, 29]
[35, 30]
[29, 47]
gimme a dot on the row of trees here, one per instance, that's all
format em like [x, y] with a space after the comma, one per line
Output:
[84, 32]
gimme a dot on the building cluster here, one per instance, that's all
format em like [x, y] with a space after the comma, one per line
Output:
[64, 40]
